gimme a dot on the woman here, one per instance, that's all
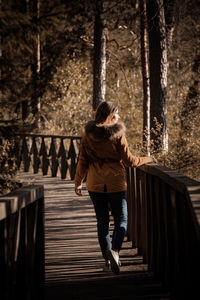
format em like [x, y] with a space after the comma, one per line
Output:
[104, 153]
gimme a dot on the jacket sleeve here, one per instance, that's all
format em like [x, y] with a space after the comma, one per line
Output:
[128, 159]
[83, 164]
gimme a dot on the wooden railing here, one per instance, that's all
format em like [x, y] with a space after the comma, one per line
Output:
[164, 224]
[163, 208]
[22, 244]
[52, 154]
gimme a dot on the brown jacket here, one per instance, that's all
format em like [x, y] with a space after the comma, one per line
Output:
[104, 153]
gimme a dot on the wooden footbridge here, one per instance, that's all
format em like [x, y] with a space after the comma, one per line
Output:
[48, 240]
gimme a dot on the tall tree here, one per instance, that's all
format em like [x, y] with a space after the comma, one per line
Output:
[145, 75]
[26, 103]
[99, 61]
[35, 102]
[158, 66]
[0, 43]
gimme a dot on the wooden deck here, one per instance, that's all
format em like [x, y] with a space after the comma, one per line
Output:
[73, 261]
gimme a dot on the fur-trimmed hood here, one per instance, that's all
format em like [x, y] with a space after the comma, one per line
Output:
[111, 132]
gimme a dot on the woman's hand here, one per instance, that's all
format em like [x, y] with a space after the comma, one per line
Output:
[154, 160]
[78, 190]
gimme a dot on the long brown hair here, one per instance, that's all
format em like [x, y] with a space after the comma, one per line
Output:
[104, 110]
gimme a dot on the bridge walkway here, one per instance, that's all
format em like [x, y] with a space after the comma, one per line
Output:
[73, 261]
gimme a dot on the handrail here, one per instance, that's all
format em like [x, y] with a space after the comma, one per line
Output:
[50, 136]
[52, 154]
[164, 224]
[22, 244]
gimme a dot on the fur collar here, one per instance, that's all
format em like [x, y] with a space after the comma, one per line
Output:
[111, 132]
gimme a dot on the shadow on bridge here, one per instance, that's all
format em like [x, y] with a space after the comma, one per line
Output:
[73, 262]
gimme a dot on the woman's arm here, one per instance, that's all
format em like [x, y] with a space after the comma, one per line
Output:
[127, 157]
[82, 166]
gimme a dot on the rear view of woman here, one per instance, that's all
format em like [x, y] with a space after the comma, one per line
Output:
[104, 153]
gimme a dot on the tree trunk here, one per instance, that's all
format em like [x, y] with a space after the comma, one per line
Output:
[26, 104]
[0, 45]
[35, 101]
[99, 67]
[158, 72]
[145, 75]
[169, 9]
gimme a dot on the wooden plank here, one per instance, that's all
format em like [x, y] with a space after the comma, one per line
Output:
[45, 160]
[138, 212]
[63, 160]
[12, 202]
[3, 258]
[165, 234]
[150, 224]
[134, 206]
[148, 216]
[54, 157]
[157, 227]
[72, 155]
[40, 251]
[26, 154]
[129, 204]
[35, 153]
[144, 216]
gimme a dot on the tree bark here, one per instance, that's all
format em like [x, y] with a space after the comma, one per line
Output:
[0, 45]
[145, 75]
[26, 104]
[169, 9]
[158, 66]
[99, 61]
[35, 101]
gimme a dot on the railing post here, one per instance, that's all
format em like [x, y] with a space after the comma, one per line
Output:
[25, 155]
[35, 153]
[3, 250]
[165, 235]
[40, 254]
[72, 156]
[62, 154]
[129, 204]
[144, 216]
[134, 206]
[54, 158]
[45, 160]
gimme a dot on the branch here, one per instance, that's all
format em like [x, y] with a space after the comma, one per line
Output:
[105, 11]
[122, 47]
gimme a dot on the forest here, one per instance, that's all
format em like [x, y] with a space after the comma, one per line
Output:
[59, 59]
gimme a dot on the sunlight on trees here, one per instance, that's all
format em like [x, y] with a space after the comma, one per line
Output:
[66, 74]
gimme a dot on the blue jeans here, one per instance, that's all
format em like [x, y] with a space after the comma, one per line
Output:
[118, 205]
